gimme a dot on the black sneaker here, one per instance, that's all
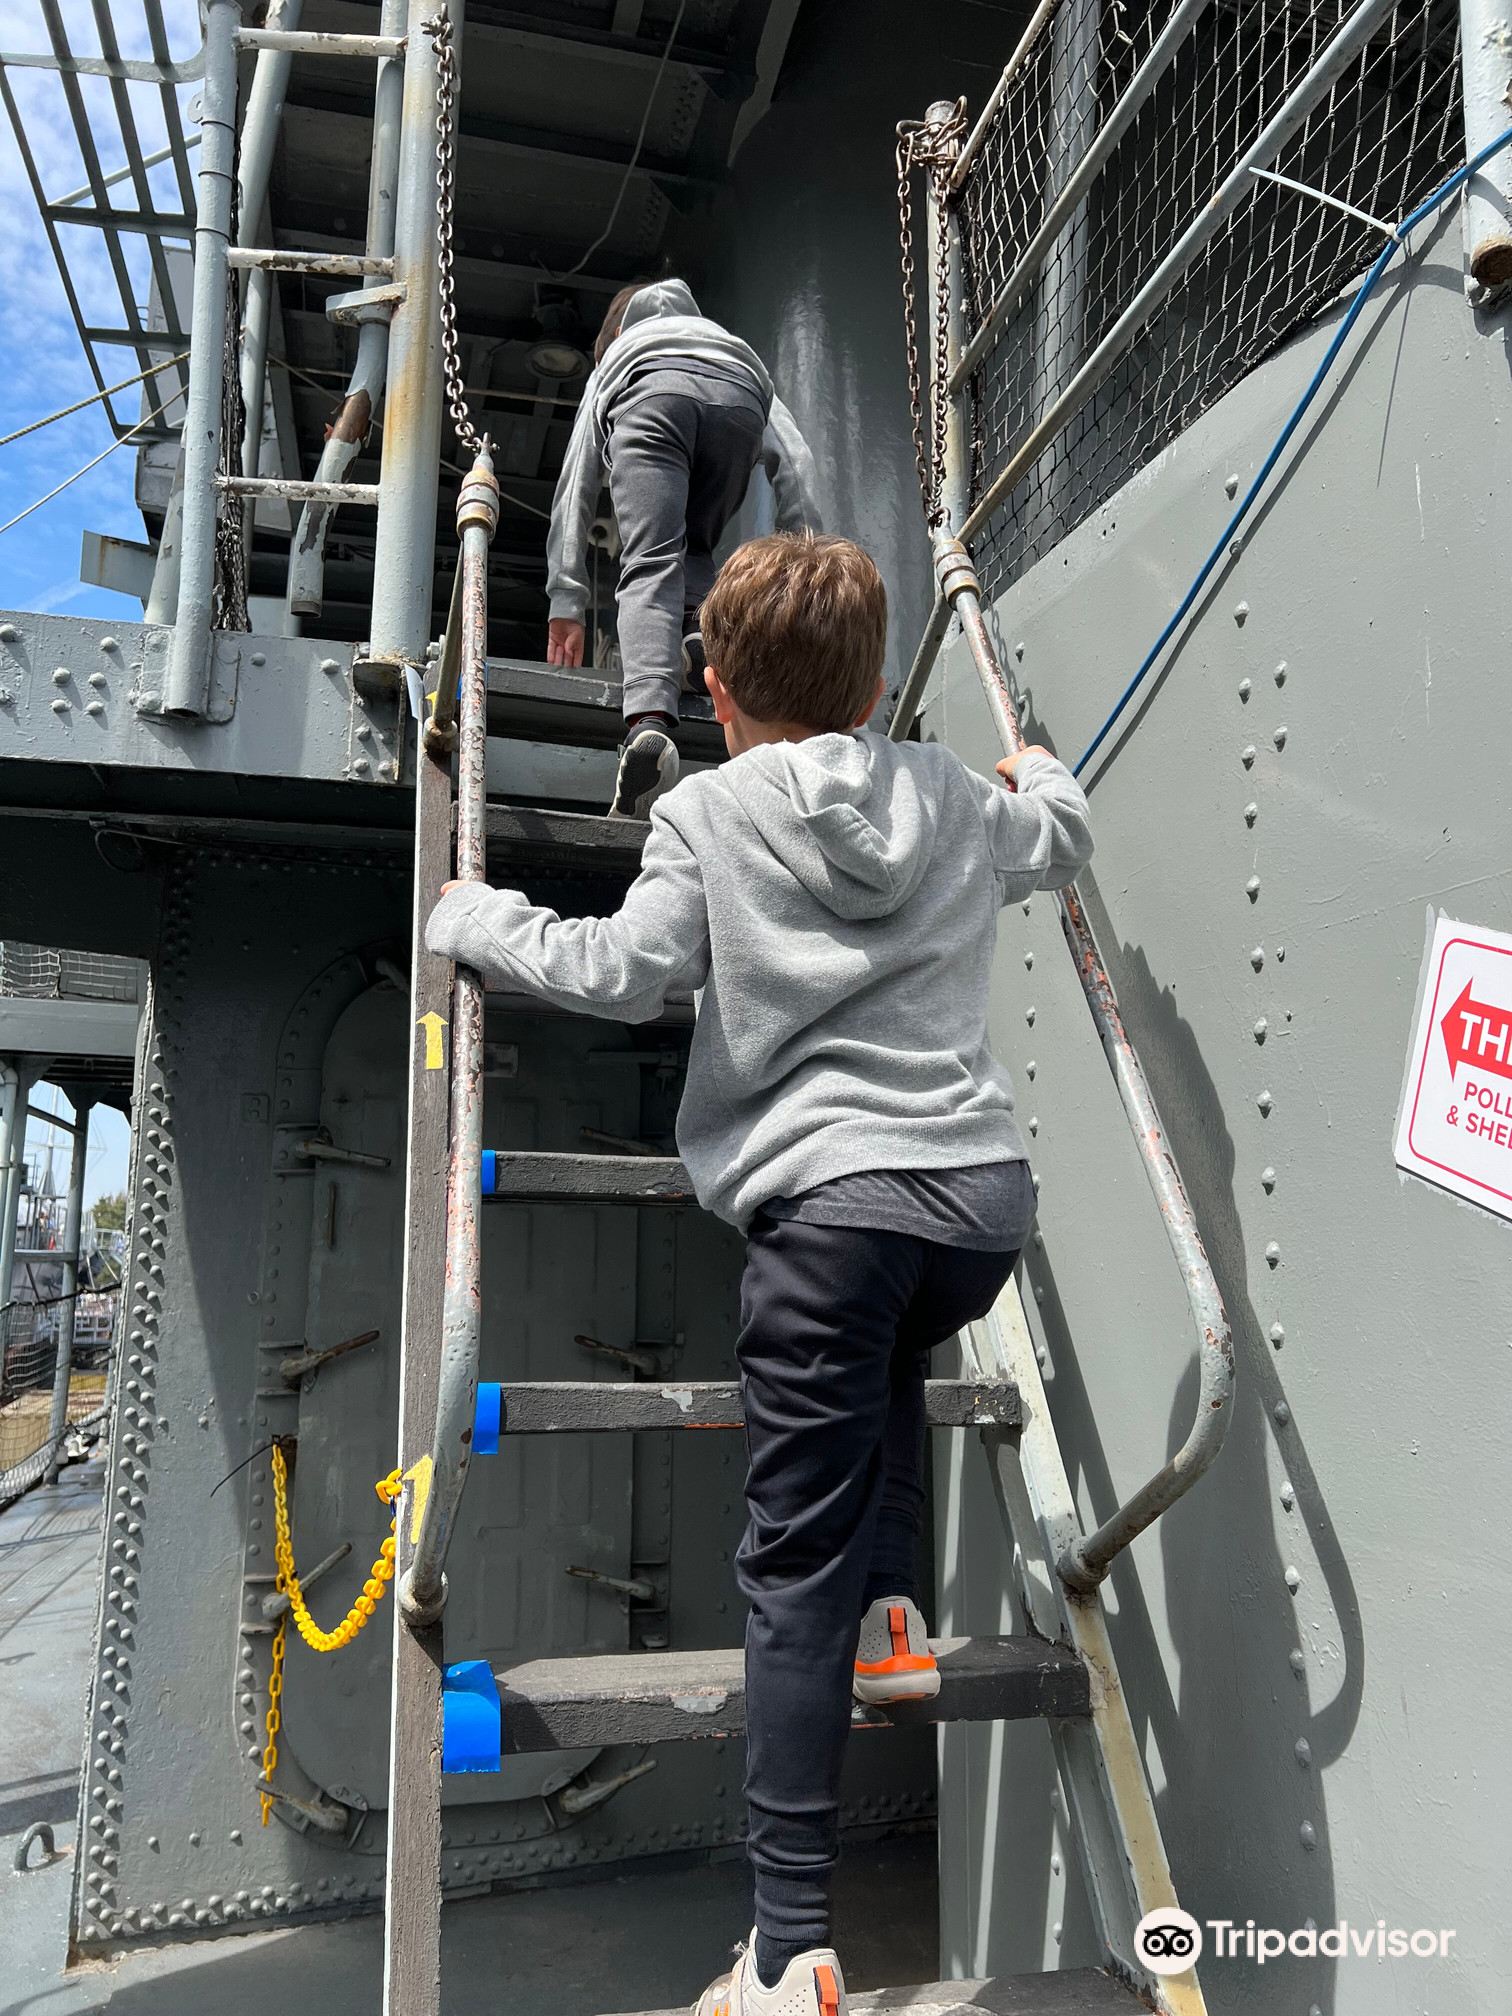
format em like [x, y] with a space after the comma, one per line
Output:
[647, 766]
[695, 663]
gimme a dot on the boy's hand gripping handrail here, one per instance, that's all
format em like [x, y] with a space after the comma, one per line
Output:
[438, 1492]
[1083, 1566]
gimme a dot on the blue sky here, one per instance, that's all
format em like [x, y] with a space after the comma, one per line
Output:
[43, 367]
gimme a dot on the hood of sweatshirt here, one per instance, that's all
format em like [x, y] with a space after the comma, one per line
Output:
[853, 817]
[663, 297]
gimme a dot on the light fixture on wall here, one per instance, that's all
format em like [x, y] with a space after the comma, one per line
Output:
[558, 351]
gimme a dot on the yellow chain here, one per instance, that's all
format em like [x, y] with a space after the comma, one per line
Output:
[389, 1489]
[273, 1721]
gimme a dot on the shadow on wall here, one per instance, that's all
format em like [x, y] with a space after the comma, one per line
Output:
[1240, 1734]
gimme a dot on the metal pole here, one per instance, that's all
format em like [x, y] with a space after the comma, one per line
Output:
[422, 1589]
[1011, 68]
[186, 683]
[405, 549]
[353, 423]
[15, 1082]
[1345, 47]
[953, 491]
[1487, 60]
[1083, 1565]
[73, 1233]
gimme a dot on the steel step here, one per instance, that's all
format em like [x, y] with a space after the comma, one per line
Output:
[525, 836]
[539, 1177]
[543, 703]
[573, 1407]
[1078, 1991]
[670, 1697]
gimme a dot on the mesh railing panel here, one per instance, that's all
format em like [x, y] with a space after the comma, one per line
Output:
[48, 973]
[28, 1366]
[1381, 138]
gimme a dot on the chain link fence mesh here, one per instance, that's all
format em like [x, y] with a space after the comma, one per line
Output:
[46, 973]
[1380, 139]
[29, 1338]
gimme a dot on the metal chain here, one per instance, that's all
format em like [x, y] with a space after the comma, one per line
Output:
[439, 28]
[389, 1489]
[232, 511]
[930, 144]
[273, 1720]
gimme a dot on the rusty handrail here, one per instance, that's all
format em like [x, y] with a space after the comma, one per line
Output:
[1083, 1566]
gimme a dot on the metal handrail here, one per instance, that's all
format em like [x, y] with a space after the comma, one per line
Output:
[1083, 1566]
[422, 1588]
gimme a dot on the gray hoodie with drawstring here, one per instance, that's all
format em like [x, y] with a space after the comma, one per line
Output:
[662, 321]
[835, 900]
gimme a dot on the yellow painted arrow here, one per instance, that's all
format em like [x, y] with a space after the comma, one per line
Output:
[433, 1024]
[418, 1474]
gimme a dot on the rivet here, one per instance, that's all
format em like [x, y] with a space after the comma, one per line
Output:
[1279, 738]
[1292, 1580]
[1272, 1254]
[1281, 1414]
[60, 676]
[1264, 1102]
[1251, 813]
[1307, 1834]
[1236, 547]
[194, 1840]
[1028, 962]
[152, 1843]
[1244, 689]
[8, 633]
[329, 665]
[1030, 1068]
[1247, 756]
[1277, 1335]
[61, 706]
[1252, 888]
[1018, 649]
[359, 766]
[1029, 1017]
[259, 657]
[94, 707]
[7, 698]
[109, 644]
[1281, 952]
[1262, 1028]
[1241, 610]
[1034, 1123]
[1279, 675]
[1288, 1495]
[1231, 484]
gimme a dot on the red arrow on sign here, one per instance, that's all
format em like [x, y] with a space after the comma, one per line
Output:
[1478, 1033]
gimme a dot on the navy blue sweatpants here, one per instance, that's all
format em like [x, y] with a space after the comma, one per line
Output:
[836, 1326]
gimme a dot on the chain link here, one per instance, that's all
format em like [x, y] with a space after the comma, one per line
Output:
[930, 144]
[273, 1720]
[388, 1488]
[439, 28]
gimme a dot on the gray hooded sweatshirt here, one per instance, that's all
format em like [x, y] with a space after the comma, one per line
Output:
[663, 321]
[836, 902]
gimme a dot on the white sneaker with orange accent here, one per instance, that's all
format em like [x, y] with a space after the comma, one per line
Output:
[893, 1659]
[811, 1985]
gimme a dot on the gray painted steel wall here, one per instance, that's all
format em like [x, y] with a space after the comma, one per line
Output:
[1315, 1644]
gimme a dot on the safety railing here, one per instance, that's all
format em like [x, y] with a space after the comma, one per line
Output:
[1104, 270]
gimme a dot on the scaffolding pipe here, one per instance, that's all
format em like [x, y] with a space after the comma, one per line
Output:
[260, 129]
[1486, 42]
[1162, 55]
[73, 1233]
[422, 1591]
[352, 425]
[186, 683]
[1346, 46]
[404, 556]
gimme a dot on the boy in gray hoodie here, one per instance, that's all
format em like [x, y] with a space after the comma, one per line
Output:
[679, 411]
[832, 896]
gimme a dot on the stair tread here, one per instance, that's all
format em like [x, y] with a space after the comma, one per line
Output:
[531, 835]
[582, 707]
[571, 1406]
[542, 1176]
[1073, 1991]
[660, 1697]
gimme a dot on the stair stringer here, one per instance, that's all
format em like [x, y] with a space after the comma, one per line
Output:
[1102, 1777]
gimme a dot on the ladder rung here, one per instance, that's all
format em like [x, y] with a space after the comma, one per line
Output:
[524, 835]
[668, 1697]
[280, 259]
[536, 1177]
[574, 1407]
[297, 492]
[583, 708]
[306, 42]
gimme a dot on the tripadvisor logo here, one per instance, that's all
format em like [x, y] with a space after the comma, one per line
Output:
[1169, 1941]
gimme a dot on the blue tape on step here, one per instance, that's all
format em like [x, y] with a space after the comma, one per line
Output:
[488, 1418]
[472, 1718]
[490, 1171]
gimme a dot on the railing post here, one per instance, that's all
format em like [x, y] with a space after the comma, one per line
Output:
[260, 128]
[953, 494]
[1487, 62]
[409, 479]
[73, 1233]
[186, 685]
[17, 1083]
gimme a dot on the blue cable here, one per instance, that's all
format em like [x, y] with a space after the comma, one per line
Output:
[1398, 237]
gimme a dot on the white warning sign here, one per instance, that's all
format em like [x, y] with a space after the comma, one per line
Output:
[1455, 1126]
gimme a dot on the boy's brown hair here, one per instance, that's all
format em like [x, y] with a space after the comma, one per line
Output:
[796, 626]
[614, 315]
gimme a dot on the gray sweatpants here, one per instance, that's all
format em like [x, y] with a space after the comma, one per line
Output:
[678, 470]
